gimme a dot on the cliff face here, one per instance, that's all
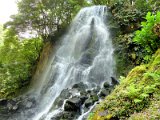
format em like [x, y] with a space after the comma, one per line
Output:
[44, 60]
[136, 98]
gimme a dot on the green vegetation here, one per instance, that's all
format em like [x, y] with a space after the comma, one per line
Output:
[46, 17]
[1, 34]
[137, 93]
[17, 60]
[146, 37]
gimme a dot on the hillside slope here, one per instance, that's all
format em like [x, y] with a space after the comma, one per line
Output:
[136, 98]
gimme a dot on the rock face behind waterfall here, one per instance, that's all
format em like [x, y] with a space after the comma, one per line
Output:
[74, 79]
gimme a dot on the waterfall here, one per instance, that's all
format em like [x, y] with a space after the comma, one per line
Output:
[85, 55]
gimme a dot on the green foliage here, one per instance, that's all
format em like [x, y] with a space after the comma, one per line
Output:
[129, 13]
[152, 113]
[17, 59]
[126, 53]
[146, 37]
[142, 5]
[46, 17]
[138, 93]
[1, 35]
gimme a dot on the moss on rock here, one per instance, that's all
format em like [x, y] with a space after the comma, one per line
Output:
[137, 96]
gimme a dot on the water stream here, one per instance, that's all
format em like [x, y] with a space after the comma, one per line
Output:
[85, 55]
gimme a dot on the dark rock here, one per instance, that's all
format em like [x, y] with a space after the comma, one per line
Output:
[94, 98]
[12, 105]
[114, 81]
[83, 93]
[65, 115]
[83, 98]
[106, 85]
[88, 102]
[93, 93]
[97, 89]
[80, 86]
[65, 94]
[89, 91]
[73, 104]
[3, 102]
[68, 115]
[104, 92]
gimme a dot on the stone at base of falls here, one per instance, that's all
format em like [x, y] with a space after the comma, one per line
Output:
[65, 116]
[104, 92]
[65, 94]
[92, 99]
[88, 103]
[73, 104]
[83, 98]
[80, 86]
[114, 81]
[106, 85]
[10, 109]
[3, 102]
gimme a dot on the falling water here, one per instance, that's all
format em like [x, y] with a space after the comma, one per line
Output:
[85, 55]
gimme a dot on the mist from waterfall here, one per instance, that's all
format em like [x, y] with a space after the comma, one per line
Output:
[85, 55]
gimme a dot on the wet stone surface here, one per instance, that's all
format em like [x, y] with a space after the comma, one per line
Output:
[84, 100]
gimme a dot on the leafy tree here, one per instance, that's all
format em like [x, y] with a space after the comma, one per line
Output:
[17, 59]
[45, 16]
[1, 34]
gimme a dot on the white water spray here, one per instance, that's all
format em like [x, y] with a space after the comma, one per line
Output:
[85, 55]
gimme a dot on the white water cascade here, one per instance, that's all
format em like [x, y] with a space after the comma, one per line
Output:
[85, 55]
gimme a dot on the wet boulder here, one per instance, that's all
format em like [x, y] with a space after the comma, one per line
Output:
[73, 104]
[96, 89]
[91, 100]
[12, 106]
[88, 102]
[95, 98]
[65, 115]
[83, 98]
[3, 102]
[80, 86]
[114, 81]
[104, 92]
[65, 94]
[106, 85]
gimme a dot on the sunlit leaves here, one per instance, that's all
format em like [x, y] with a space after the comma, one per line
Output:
[45, 16]
[146, 36]
[17, 59]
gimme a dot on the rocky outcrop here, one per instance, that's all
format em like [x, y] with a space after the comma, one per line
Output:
[12, 107]
[72, 101]
[84, 98]
[73, 104]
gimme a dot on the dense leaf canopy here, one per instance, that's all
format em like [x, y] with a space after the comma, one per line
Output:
[45, 16]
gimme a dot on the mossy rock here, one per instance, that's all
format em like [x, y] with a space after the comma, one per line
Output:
[137, 96]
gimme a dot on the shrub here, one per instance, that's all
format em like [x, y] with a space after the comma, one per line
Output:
[146, 37]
